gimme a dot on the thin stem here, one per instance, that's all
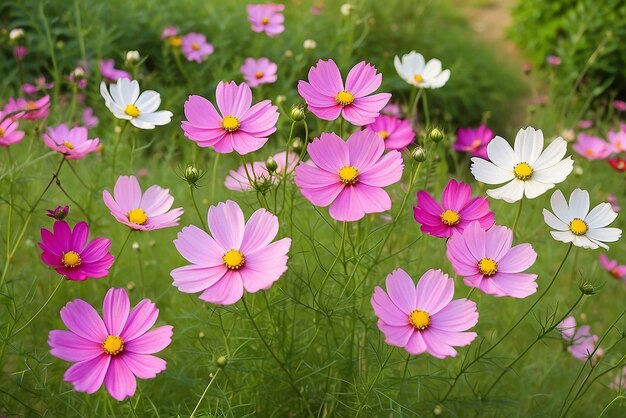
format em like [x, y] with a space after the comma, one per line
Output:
[369, 389]
[119, 254]
[517, 216]
[332, 266]
[426, 111]
[285, 174]
[132, 407]
[40, 309]
[195, 205]
[115, 148]
[214, 175]
[206, 389]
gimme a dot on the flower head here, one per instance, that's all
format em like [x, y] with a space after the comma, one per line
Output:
[73, 143]
[9, 134]
[89, 119]
[397, 133]
[392, 109]
[424, 318]
[580, 341]
[617, 139]
[59, 213]
[110, 73]
[267, 18]
[261, 71]
[40, 85]
[553, 60]
[195, 47]
[238, 180]
[592, 147]
[20, 51]
[21, 108]
[617, 271]
[585, 124]
[619, 105]
[612, 199]
[169, 31]
[474, 141]
[416, 71]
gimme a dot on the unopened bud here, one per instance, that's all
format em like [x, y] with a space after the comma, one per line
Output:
[271, 164]
[132, 57]
[130, 286]
[16, 34]
[587, 288]
[309, 44]
[201, 335]
[418, 154]
[135, 246]
[435, 135]
[296, 145]
[438, 410]
[297, 112]
[192, 175]
[221, 361]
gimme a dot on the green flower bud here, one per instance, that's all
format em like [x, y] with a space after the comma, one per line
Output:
[297, 112]
[418, 154]
[296, 145]
[221, 361]
[271, 164]
[436, 135]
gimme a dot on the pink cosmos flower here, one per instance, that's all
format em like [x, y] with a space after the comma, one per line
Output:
[110, 73]
[261, 71]
[144, 212]
[28, 109]
[619, 382]
[169, 31]
[617, 139]
[612, 199]
[397, 133]
[581, 342]
[40, 85]
[73, 143]
[59, 213]
[585, 124]
[239, 182]
[89, 119]
[9, 134]
[392, 109]
[237, 255]
[70, 255]
[620, 105]
[592, 147]
[20, 52]
[114, 349]
[424, 318]
[456, 212]
[266, 18]
[487, 261]
[474, 141]
[327, 98]
[553, 60]
[195, 47]
[617, 271]
[237, 127]
[349, 176]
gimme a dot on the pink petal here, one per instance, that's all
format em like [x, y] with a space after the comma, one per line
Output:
[227, 290]
[83, 320]
[79, 236]
[401, 290]
[115, 310]
[363, 79]
[87, 376]
[70, 347]
[194, 278]
[151, 342]
[458, 315]
[386, 171]
[201, 113]
[119, 380]
[144, 366]
[396, 336]
[347, 206]
[373, 199]
[326, 78]
[233, 99]
[365, 148]
[517, 259]
[433, 292]
[497, 241]
[198, 247]
[227, 224]
[265, 266]
[386, 310]
[416, 344]
[455, 195]
[156, 200]
[329, 152]
[141, 319]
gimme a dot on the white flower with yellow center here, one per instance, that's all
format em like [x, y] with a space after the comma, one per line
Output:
[125, 102]
[527, 169]
[416, 71]
[574, 222]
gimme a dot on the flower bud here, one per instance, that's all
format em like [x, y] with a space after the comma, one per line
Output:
[438, 410]
[346, 9]
[436, 135]
[221, 361]
[201, 335]
[130, 286]
[16, 34]
[271, 164]
[281, 98]
[309, 44]
[296, 145]
[59, 213]
[132, 57]
[297, 112]
[135, 246]
[418, 154]
[588, 288]
[192, 175]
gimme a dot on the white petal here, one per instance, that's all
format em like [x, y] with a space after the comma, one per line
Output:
[400, 68]
[148, 101]
[501, 154]
[528, 144]
[440, 80]
[552, 154]
[432, 69]
[605, 234]
[579, 204]
[510, 192]
[104, 91]
[556, 173]
[487, 172]
[584, 242]
[162, 117]
[413, 62]
[560, 207]
[554, 222]
[563, 236]
[141, 124]
[533, 188]
[600, 216]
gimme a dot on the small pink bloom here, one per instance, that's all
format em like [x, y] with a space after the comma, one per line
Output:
[70, 255]
[612, 199]
[142, 172]
[328, 98]
[349, 176]
[456, 212]
[238, 127]
[21, 108]
[9, 134]
[40, 85]
[59, 213]
[585, 124]
[617, 271]
[392, 109]
[141, 211]
[619, 382]
[397, 133]
[620, 105]
[581, 342]
[89, 119]
[592, 147]
[239, 182]
[195, 47]
[169, 31]
[617, 139]
[487, 261]
[317, 9]
[110, 73]
[237, 255]
[115, 348]
[261, 71]
[474, 141]
[424, 318]
[553, 60]
[20, 52]
[267, 18]
[73, 143]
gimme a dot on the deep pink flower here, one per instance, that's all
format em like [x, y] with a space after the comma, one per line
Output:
[592, 147]
[585, 124]
[620, 105]
[237, 255]
[59, 213]
[617, 139]
[195, 47]
[9, 134]
[73, 143]
[28, 109]
[349, 176]
[89, 119]
[617, 271]
[327, 98]
[424, 318]
[169, 31]
[267, 18]
[456, 212]
[20, 52]
[238, 180]
[144, 212]
[261, 71]
[70, 255]
[618, 164]
[580, 340]
[237, 127]
[39, 85]
[397, 133]
[553, 60]
[487, 261]
[114, 349]
[110, 73]
[474, 140]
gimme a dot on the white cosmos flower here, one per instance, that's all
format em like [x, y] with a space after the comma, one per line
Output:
[527, 169]
[125, 102]
[414, 70]
[574, 223]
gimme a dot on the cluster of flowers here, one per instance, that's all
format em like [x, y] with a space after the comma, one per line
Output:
[595, 148]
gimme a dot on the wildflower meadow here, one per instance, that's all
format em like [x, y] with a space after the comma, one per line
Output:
[311, 209]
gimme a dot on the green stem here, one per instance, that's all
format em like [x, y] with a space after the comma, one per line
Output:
[369, 389]
[40, 309]
[195, 205]
[115, 148]
[426, 111]
[285, 174]
[119, 254]
[517, 216]
[206, 389]
[332, 266]
[214, 175]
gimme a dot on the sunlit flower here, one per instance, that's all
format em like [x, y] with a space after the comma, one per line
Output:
[238, 180]
[21, 108]
[617, 139]
[267, 18]
[397, 133]
[40, 85]
[195, 47]
[580, 341]
[414, 70]
[474, 141]
[9, 134]
[261, 71]
[73, 143]
[592, 147]
[110, 73]
[616, 270]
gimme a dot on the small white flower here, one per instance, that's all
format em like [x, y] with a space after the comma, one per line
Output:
[346, 9]
[125, 102]
[132, 57]
[414, 70]
[310, 44]
[576, 224]
[16, 34]
[526, 169]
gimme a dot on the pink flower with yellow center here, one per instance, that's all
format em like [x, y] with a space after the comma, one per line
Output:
[267, 18]
[261, 71]
[110, 73]
[617, 139]
[474, 140]
[592, 147]
[26, 109]
[613, 267]
[72, 143]
[9, 134]
[195, 47]
[397, 133]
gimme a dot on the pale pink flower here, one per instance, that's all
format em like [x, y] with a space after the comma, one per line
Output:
[261, 71]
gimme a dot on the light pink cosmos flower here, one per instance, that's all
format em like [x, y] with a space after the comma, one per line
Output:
[619, 382]
[144, 212]
[239, 182]
[114, 349]
[580, 340]
[457, 210]
[237, 255]
[487, 261]
[392, 109]
[617, 139]
[261, 71]
[73, 143]
[553, 60]
[169, 31]
[110, 73]
[619, 105]
[327, 98]
[617, 271]
[592, 147]
[612, 199]
[474, 141]
[424, 318]
[267, 18]
[585, 124]
[89, 119]
[21, 108]
[9, 134]
[349, 176]
[40, 85]
[397, 133]
[237, 126]
[195, 47]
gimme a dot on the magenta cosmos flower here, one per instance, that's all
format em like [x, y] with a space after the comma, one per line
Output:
[581, 342]
[237, 126]
[237, 255]
[592, 147]
[73, 143]
[424, 318]
[144, 212]
[195, 47]
[114, 349]
[9, 134]
[474, 141]
[612, 266]
[28, 109]
[456, 212]
[620, 105]
[110, 73]
[349, 176]
[238, 180]
[397, 133]
[261, 71]
[487, 261]
[266, 18]
[70, 255]
[327, 98]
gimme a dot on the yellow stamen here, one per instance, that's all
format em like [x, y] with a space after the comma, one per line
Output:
[344, 98]
[259, 74]
[523, 171]
[71, 259]
[475, 144]
[230, 123]
[132, 111]
[589, 152]
[1, 132]
[487, 266]
[265, 20]
[137, 216]
[30, 105]
[383, 134]
[419, 319]
[615, 273]
[195, 46]
[349, 175]
[418, 78]
[578, 226]
[450, 217]
[113, 345]
[68, 145]
[176, 41]
[234, 259]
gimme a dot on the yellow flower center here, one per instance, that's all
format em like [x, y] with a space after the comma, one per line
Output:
[132, 111]
[71, 259]
[419, 319]
[615, 273]
[475, 144]
[195, 46]
[113, 345]
[30, 105]
[418, 78]
[349, 174]
[344, 98]
[578, 226]
[450, 218]
[1, 132]
[589, 152]
[233, 259]
[487, 266]
[68, 145]
[523, 171]
[137, 216]
[259, 74]
[176, 41]
[230, 123]
[265, 20]
[383, 134]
